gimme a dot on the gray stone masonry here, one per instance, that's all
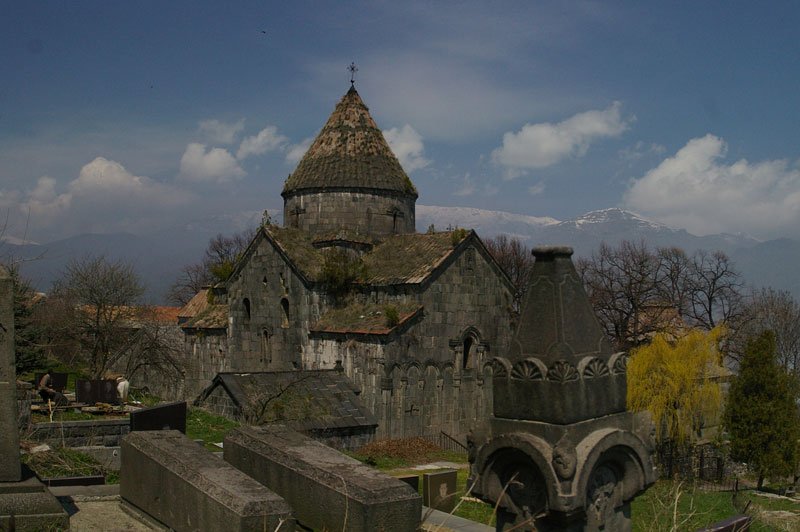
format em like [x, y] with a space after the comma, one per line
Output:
[326, 489]
[174, 480]
[9, 434]
[560, 453]
[21, 493]
[102, 432]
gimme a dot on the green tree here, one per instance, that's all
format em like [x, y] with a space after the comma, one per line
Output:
[27, 349]
[761, 414]
[676, 382]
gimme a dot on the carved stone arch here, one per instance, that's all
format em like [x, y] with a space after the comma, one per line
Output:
[591, 367]
[534, 484]
[501, 368]
[471, 346]
[529, 369]
[624, 454]
[618, 363]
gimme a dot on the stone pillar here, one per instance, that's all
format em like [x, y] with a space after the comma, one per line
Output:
[9, 432]
[21, 493]
[561, 452]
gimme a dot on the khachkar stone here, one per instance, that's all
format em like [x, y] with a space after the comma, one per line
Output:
[9, 434]
[21, 494]
[561, 452]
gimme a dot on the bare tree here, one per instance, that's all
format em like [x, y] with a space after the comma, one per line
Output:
[102, 292]
[674, 279]
[516, 260]
[716, 289]
[622, 286]
[773, 310]
[221, 255]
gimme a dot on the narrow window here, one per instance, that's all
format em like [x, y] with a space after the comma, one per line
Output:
[468, 343]
[246, 303]
[285, 308]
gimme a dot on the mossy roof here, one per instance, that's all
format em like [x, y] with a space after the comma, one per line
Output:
[313, 399]
[364, 319]
[350, 152]
[400, 259]
[199, 313]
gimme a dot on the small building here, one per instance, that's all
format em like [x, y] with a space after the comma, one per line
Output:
[322, 404]
[411, 318]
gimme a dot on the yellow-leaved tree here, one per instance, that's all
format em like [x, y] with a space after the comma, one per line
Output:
[678, 382]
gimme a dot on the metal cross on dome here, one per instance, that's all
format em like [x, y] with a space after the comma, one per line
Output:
[352, 69]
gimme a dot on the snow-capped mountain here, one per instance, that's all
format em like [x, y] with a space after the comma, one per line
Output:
[159, 257]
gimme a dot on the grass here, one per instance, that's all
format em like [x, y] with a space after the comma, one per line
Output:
[65, 462]
[397, 456]
[201, 425]
[655, 510]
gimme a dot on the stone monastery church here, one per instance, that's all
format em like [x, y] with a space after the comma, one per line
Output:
[347, 285]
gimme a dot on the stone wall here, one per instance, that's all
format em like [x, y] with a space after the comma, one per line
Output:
[270, 311]
[432, 376]
[206, 354]
[375, 213]
[105, 432]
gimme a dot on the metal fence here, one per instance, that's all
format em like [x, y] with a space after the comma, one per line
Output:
[447, 442]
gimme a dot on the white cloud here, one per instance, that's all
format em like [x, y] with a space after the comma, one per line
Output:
[695, 190]
[104, 197]
[217, 132]
[267, 139]
[641, 149]
[407, 146]
[536, 189]
[467, 186]
[545, 144]
[216, 165]
[295, 152]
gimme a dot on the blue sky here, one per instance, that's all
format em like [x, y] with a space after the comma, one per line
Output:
[135, 116]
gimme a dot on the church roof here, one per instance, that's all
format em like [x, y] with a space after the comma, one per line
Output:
[200, 313]
[400, 259]
[316, 399]
[349, 152]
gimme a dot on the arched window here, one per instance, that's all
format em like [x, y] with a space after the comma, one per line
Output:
[267, 350]
[285, 309]
[246, 303]
[469, 357]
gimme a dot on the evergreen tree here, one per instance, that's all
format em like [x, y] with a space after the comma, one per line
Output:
[761, 414]
[28, 353]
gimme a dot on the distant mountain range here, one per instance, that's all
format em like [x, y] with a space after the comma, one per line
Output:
[159, 257]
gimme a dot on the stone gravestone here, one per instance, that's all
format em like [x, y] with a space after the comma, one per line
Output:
[439, 490]
[96, 391]
[169, 416]
[561, 452]
[21, 493]
[411, 480]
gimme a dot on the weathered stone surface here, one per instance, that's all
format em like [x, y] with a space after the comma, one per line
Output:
[105, 432]
[21, 493]
[33, 506]
[177, 482]
[9, 432]
[326, 489]
[561, 453]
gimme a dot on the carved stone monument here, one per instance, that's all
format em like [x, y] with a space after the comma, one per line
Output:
[561, 452]
[22, 495]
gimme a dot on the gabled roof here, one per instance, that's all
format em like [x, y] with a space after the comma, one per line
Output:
[311, 399]
[199, 313]
[349, 152]
[400, 259]
[365, 319]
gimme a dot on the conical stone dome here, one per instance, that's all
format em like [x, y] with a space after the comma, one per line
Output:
[349, 152]
[349, 179]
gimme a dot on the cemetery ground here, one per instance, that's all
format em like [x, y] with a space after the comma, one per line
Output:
[668, 505]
